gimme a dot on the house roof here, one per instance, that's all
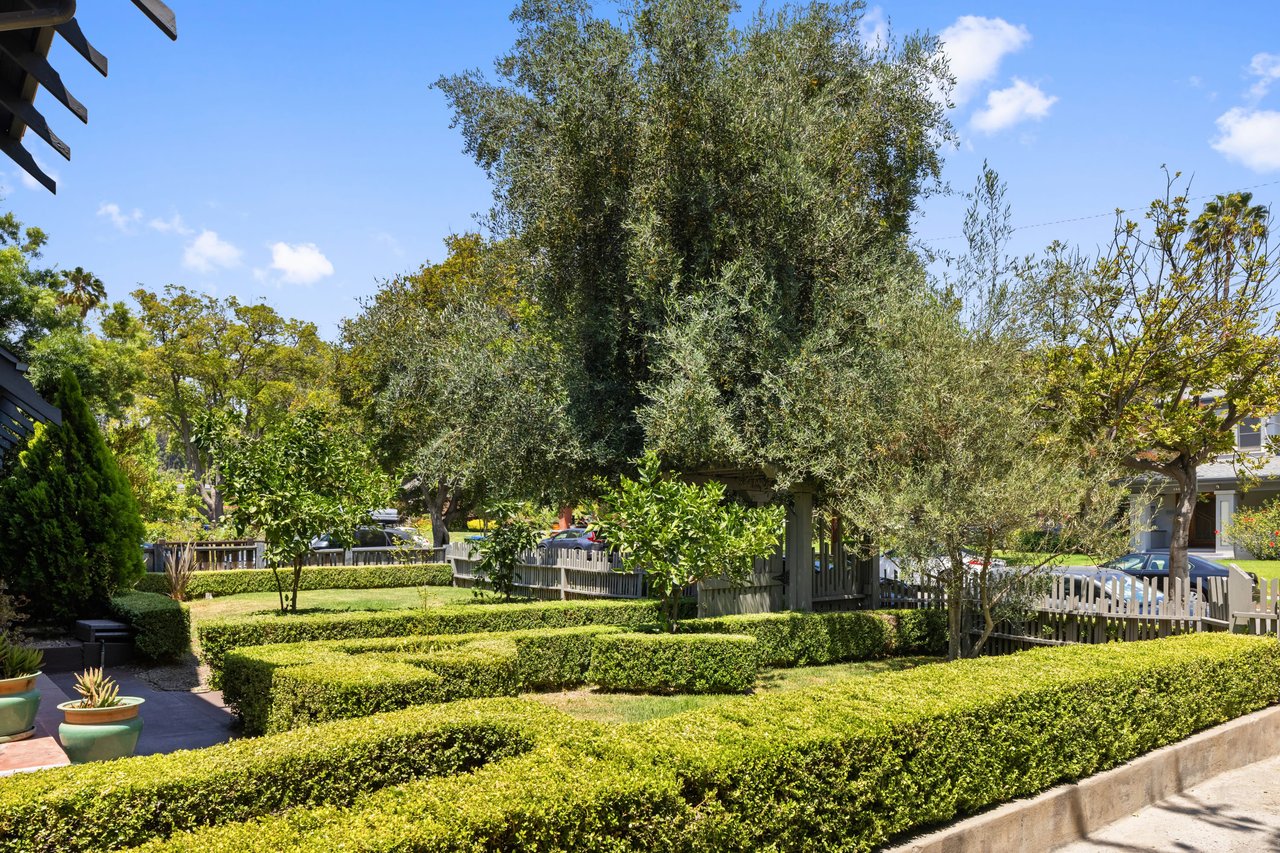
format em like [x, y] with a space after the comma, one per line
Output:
[27, 30]
[20, 406]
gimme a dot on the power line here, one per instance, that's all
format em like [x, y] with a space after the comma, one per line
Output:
[1095, 215]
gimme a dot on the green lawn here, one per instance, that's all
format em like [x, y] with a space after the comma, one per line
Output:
[592, 704]
[396, 598]
[1264, 569]
[1024, 558]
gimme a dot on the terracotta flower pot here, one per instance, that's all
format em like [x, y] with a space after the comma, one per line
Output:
[100, 734]
[19, 701]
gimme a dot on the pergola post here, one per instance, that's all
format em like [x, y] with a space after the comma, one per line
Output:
[800, 550]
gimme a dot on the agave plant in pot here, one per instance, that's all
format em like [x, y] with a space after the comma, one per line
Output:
[19, 696]
[101, 724]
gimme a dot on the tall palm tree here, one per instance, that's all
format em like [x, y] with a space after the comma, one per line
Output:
[1228, 223]
[82, 289]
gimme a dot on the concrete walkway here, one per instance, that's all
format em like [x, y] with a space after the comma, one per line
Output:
[1235, 812]
[172, 720]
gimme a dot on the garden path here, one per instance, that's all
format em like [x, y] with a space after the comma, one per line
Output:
[172, 720]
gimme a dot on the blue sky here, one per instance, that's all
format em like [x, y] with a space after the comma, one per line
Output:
[295, 152]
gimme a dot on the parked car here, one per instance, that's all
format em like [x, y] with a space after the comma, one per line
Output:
[574, 539]
[894, 567]
[372, 537]
[1155, 565]
[1106, 583]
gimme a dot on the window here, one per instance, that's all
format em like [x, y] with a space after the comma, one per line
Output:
[1249, 434]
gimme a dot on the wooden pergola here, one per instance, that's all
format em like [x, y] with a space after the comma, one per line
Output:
[21, 408]
[27, 30]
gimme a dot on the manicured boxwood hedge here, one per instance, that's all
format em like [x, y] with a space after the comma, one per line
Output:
[217, 637]
[848, 766]
[237, 581]
[680, 663]
[110, 805]
[276, 688]
[808, 639]
[162, 626]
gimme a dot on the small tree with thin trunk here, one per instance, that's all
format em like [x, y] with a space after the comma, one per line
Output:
[304, 476]
[680, 533]
[1168, 342]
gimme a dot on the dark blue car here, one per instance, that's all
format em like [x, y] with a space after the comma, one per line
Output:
[1154, 565]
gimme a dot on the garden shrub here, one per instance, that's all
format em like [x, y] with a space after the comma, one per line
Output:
[680, 663]
[279, 687]
[162, 626]
[849, 766]
[217, 637]
[808, 639]
[1257, 530]
[238, 581]
[69, 524]
[109, 805]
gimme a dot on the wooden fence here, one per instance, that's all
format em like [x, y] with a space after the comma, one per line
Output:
[549, 574]
[249, 554]
[763, 592]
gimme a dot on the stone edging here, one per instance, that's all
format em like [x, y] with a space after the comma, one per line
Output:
[1071, 812]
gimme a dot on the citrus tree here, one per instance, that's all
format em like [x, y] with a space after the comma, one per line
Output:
[680, 533]
[303, 476]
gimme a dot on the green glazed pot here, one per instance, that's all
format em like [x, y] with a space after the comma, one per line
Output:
[100, 734]
[19, 701]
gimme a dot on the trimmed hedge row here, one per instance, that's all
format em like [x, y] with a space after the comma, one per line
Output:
[680, 663]
[237, 581]
[110, 805]
[849, 766]
[217, 637]
[162, 626]
[808, 639]
[280, 687]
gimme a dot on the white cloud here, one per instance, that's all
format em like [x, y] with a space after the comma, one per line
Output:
[1266, 67]
[1006, 107]
[302, 263]
[975, 47]
[172, 225]
[1251, 137]
[208, 252]
[874, 29]
[121, 220]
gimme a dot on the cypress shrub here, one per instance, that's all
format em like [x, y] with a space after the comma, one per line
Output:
[70, 533]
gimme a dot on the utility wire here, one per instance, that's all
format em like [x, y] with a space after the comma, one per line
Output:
[1093, 216]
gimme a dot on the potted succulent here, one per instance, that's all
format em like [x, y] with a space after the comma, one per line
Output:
[19, 696]
[101, 724]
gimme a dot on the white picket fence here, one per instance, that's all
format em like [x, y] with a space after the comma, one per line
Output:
[555, 573]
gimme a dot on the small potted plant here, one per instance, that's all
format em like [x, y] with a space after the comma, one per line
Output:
[101, 724]
[19, 696]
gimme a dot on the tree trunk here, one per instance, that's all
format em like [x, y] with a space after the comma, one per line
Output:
[1183, 518]
[297, 578]
[435, 507]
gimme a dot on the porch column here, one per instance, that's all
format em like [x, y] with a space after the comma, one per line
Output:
[1226, 510]
[800, 551]
[1141, 521]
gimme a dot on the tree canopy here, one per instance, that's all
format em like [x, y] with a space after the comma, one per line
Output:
[706, 209]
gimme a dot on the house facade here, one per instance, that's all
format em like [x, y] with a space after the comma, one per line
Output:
[1221, 495]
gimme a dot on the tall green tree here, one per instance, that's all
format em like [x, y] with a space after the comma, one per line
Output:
[709, 209]
[70, 533]
[1167, 342]
[459, 386]
[303, 476]
[202, 354]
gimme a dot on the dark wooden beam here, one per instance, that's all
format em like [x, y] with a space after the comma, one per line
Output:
[31, 117]
[75, 37]
[43, 73]
[23, 158]
[161, 15]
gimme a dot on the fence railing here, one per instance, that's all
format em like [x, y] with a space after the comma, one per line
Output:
[250, 554]
[555, 573]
